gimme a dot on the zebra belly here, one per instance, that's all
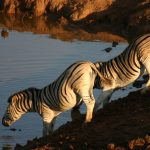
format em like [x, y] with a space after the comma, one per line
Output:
[68, 101]
[125, 82]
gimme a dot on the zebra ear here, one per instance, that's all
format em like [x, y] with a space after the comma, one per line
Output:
[10, 99]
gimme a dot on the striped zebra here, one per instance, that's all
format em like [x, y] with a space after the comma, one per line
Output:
[71, 87]
[124, 69]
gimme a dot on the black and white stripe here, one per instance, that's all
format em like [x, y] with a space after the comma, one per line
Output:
[125, 68]
[73, 85]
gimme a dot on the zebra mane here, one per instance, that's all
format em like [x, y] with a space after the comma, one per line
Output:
[10, 99]
[28, 89]
[98, 64]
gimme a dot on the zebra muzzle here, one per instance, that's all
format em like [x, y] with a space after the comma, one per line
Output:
[6, 122]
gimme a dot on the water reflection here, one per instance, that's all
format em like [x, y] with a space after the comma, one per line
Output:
[58, 30]
[4, 33]
[7, 147]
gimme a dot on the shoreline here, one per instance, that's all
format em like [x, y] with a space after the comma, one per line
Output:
[125, 19]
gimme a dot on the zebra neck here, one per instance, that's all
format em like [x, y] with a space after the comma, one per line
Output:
[48, 95]
[36, 102]
[124, 66]
[101, 66]
[98, 80]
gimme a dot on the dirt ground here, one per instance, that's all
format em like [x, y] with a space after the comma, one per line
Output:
[122, 124]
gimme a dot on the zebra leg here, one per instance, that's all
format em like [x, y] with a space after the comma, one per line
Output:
[51, 126]
[77, 106]
[48, 126]
[48, 121]
[45, 128]
[103, 99]
[89, 102]
[147, 87]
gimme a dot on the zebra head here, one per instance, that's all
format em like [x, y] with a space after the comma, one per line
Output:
[19, 103]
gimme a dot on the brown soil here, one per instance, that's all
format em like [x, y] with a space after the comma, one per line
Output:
[122, 124]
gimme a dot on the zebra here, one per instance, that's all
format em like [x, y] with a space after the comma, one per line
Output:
[72, 87]
[124, 69]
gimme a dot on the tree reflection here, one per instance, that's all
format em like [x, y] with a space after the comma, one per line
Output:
[7, 147]
[4, 33]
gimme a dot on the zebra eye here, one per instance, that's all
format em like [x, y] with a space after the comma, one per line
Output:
[12, 99]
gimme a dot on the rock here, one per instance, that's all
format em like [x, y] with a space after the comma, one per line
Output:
[147, 139]
[82, 9]
[13, 129]
[133, 17]
[108, 49]
[114, 44]
[56, 6]
[4, 33]
[148, 147]
[40, 7]
[71, 146]
[136, 143]
[111, 146]
[138, 83]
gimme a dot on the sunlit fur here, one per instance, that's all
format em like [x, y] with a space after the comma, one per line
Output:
[73, 85]
[125, 68]
[19, 103]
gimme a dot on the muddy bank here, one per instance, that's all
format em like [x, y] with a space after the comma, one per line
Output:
[124, 18]
[122, 124]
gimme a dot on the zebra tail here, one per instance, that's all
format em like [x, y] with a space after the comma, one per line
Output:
[105, 80]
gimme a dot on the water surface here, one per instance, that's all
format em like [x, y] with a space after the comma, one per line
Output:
[29, 60]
